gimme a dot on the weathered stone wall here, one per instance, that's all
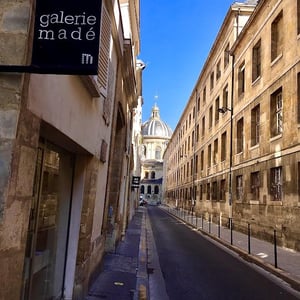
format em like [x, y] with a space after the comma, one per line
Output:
[18, 141]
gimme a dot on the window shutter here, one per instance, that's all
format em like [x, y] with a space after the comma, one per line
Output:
[103, 66]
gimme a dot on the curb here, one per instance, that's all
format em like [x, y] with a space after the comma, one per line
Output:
[142, 283]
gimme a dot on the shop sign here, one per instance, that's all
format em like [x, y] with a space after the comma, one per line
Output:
[66, 37]
[136, 181]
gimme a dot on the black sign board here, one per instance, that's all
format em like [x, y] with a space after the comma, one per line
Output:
[136, 181]
[66, 37]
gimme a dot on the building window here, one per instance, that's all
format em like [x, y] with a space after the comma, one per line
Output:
[225, 96]
[152, 175]
[298, 97]
[223, 146]
[212, 80]
[241, 79]
[200, 192]
[202, 160]
[226, 56]
[276, 37]
[204, 95]
[197, 133]
[217, 106]
[222, 189]
[215, 191]
[203, 126]
[256, 61]
[196, 164]
[208, 191]
[255, 183]
[240, 136]
[146, 175]
[142, 189]
[187, 169]
[298, 16]
[156, 190]
[276, 113]
[276, 184]
[218, 73]
[216, 151]
[149, 189]
[255, 120]
[158, 153]
[198, 104]
[209, 156]
[239, 188]
[210, 117]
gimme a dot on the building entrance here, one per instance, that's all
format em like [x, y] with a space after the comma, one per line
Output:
[47, 239]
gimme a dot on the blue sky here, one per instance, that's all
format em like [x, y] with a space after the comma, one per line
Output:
[176, 37]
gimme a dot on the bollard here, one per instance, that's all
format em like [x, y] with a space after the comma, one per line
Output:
[275, 249]
[209, 219]
[202, 221]
[249, 247]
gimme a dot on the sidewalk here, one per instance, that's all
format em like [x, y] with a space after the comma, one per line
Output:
[128, 273]
[124, 273]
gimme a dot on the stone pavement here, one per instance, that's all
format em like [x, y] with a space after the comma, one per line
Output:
[133, 271]
[124, 272]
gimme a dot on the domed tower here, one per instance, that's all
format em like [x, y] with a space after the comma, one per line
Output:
[155, 134]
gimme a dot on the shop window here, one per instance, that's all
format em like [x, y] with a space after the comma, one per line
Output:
[149, 189]
[142, 189]
[156, 190]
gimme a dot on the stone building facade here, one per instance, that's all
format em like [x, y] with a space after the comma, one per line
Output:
[65, 157]
[234, 155]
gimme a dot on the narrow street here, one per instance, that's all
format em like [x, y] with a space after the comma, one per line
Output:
[195, 268]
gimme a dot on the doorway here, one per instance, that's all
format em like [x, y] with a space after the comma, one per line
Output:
[47, 239]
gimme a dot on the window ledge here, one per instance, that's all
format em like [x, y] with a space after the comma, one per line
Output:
[256, 80]
[275, 60]
[91, 85]
[275, 138]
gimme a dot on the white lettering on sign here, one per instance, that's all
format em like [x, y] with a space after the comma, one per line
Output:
[86, 59]
[77, 27]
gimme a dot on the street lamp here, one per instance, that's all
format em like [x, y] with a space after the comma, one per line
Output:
[223, 110]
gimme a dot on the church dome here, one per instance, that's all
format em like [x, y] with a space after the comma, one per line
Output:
[155, 127]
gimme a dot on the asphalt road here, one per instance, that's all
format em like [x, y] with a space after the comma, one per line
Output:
[193, 267]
